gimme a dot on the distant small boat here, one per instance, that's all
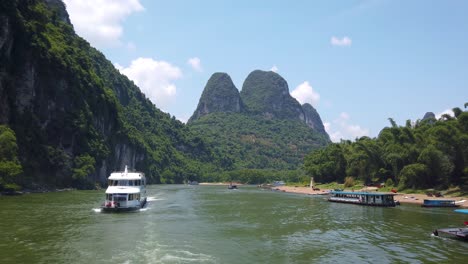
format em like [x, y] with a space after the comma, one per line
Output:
[439, 203]
[193, 183]
[232, 186]
[458, 233]
[363, 198]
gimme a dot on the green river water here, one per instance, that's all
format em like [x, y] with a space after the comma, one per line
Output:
[211, 224]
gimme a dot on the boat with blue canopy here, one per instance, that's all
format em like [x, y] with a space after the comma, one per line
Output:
[363, 198]
[439, 203]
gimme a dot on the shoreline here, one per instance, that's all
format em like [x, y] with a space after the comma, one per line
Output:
[403, 198]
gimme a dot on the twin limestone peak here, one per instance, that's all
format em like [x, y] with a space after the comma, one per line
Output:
[264, 93]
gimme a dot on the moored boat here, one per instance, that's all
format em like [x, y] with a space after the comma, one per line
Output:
[126, 191]
[458, 233]
[363, 198]
[439, 203]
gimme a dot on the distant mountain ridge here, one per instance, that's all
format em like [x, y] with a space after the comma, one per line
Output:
[263, 126]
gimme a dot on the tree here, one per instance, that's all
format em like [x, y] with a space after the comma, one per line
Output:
[413, 176]
[438, 166]
[10, 167]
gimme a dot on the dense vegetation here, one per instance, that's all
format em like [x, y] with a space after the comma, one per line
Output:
[429, 153]
[255, 142]
[75, 117]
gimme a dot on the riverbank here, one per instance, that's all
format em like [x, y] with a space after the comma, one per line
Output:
[403, 198]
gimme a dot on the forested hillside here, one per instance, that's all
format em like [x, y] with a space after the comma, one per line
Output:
[429, 153]
[253, 142]
[71, 118]
[259, 131]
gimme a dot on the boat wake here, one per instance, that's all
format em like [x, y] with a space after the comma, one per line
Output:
[152, 199]
[97, 210]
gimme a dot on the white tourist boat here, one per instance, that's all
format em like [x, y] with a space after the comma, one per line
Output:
[126, 191]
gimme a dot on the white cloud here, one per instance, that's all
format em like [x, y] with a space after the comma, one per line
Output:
[340, 128]
[100, 21]
[155, 79]
[195, 63]
[447, 111]
[304, 93]
[343, 42]
[274, 68]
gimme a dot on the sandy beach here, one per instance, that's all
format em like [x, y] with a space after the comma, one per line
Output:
[403, 198]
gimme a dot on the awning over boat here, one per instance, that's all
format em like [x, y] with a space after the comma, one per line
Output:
[122, 189]
[462, 211]
[362, 193]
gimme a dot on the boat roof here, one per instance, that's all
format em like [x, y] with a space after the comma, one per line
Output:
[122, 189]
[438, 201]
[362, 193]
[462, 211]
[126, 175]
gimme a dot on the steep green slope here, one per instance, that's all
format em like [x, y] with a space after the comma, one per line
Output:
[76, 118]
[255, 142]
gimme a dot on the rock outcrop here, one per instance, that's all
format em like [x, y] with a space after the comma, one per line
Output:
[267, 93]
[429, 115]
[313, 120]
[220, 95]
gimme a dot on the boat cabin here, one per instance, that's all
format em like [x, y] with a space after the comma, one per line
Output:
[363, 198]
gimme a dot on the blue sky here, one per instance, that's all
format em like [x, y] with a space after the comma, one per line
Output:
[358, 62]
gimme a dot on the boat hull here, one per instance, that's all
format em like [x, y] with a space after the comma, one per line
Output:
[458, 233]
[116, 209]
[362, 203]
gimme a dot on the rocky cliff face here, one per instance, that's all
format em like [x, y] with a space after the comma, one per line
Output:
[267, 93]
[220, 95]
[313, 120]
[73, 113]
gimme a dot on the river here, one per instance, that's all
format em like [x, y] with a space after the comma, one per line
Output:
[211, 224]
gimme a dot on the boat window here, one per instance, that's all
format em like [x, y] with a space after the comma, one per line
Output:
[130, 183]
[120, 197]
[123, 183]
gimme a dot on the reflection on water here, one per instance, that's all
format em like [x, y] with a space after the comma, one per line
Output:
[211, 224]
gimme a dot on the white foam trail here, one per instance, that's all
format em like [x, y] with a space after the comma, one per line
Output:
[97, 210]
[143, 209]
[152, 199]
